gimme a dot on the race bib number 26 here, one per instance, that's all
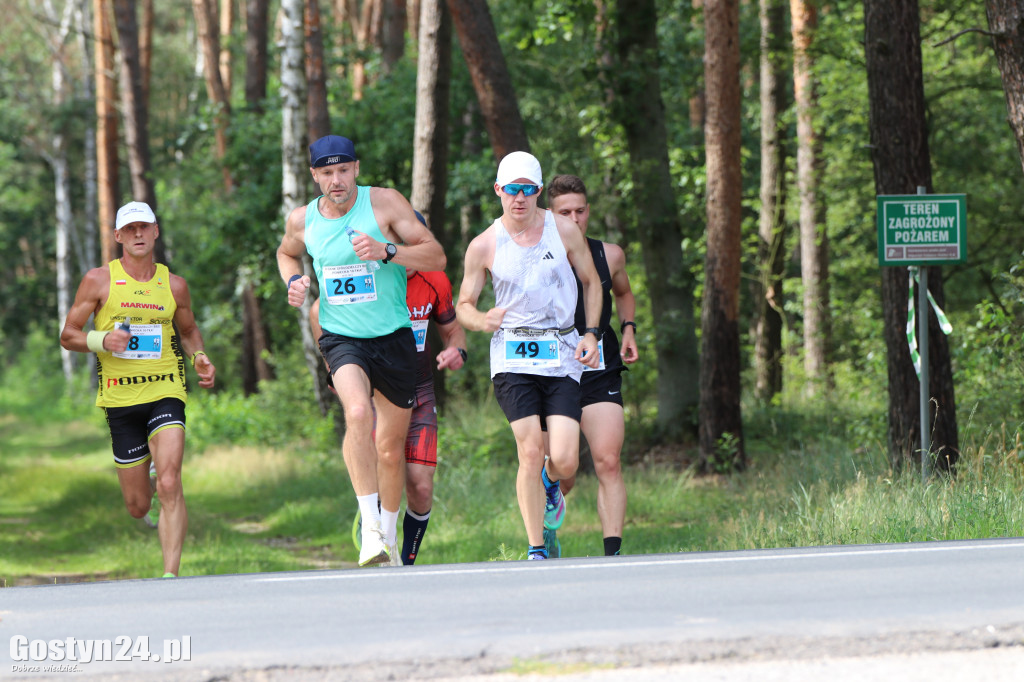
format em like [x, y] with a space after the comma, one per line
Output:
[349, 284]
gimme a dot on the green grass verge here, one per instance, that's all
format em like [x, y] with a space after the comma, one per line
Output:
[816, 478]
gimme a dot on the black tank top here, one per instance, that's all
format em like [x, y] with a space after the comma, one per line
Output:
[612, 360]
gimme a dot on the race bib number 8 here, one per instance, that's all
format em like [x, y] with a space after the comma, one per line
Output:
[530, 350]
[349, 284]
[144, 344]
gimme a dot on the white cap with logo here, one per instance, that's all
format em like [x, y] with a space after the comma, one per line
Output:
[134, 212]
[519, 165]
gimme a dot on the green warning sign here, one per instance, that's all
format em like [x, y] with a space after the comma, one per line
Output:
[922, 229]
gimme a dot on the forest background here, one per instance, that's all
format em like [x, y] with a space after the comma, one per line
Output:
[218, 175]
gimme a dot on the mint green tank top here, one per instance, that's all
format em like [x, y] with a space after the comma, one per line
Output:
[357, 299]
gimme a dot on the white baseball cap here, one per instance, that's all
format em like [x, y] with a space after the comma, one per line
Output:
[134, 212]
[519, 165]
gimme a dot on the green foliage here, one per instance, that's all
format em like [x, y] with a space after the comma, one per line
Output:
[282, 414]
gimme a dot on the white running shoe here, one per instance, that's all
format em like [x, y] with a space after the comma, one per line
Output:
[373, 550]
[396, 556]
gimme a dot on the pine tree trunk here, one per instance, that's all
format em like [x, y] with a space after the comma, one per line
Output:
[1006, 22]
[106, 131]
[902, 163]
[136, 113]
[721, 427]
[431, 138]
[256, 53]
[639, 108]
[482, 51]
[814, 251]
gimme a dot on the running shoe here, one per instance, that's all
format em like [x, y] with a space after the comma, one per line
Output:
[396, 556]
[536, 556]
[357, 530]
[552, 544]
[373, 550]
[152, 517]
[554, 508]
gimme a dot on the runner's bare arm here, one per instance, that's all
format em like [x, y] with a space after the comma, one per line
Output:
[289, 256]
[415, 245]
[188, 330]
[625, 303]
[578, 251]
[473, 279]
[92, 291]
[454, 338]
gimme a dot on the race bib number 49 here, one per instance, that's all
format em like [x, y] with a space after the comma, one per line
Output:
[530, 350]
[349, 284]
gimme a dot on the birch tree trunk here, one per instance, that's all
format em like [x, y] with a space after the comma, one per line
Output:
[294, 159]
[57, 157]
[86, 243]
[772, 225]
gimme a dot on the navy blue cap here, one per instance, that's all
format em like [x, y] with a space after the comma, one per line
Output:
[331, 149]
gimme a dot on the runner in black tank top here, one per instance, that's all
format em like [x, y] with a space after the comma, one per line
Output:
[603, 421]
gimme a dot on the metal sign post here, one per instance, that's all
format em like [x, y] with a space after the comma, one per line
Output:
[919, 230]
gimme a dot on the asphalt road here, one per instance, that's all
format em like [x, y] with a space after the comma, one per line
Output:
[424, 622]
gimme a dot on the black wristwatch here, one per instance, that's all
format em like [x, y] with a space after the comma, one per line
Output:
[596, 331]
[391, 250]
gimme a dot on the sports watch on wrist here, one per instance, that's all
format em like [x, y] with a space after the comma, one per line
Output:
[391, 250]
[596, 331]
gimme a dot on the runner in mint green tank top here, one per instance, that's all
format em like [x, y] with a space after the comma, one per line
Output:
[347, 283]
[362, 239]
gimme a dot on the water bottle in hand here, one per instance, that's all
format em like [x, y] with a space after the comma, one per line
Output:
[371, 265]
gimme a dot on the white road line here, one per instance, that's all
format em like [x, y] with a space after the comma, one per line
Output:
[516, 567]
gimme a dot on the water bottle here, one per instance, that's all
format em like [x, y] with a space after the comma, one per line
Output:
[371, 265]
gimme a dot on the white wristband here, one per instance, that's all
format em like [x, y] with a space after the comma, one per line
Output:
[94, 340]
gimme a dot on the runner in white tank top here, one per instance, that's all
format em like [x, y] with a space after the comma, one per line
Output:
[534, 365]
[537, 288]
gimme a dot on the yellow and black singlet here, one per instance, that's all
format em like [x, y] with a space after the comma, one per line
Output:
[153, 366]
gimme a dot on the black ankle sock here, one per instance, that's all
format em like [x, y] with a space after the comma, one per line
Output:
[612, 546]
[413, 530]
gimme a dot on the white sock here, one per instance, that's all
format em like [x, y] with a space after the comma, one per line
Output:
[369, 510]
[389, 522]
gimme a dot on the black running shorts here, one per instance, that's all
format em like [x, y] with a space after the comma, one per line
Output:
[389, 361]
[525, 395]
[604, 386]
[131, 428]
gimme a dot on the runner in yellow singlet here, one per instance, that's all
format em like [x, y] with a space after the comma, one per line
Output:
[135, 303]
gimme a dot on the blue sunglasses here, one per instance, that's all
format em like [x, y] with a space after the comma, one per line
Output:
[515, 188]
